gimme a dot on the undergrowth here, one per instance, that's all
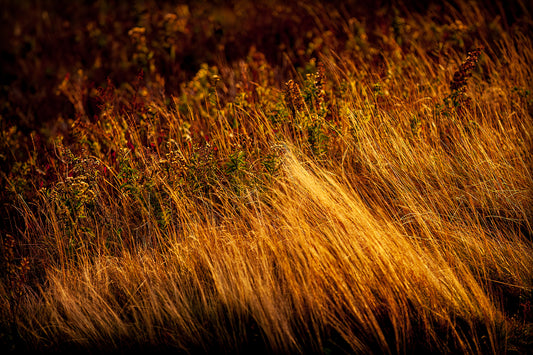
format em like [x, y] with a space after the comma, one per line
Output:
[368, 191]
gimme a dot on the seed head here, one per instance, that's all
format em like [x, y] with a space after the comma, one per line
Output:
[465, 70]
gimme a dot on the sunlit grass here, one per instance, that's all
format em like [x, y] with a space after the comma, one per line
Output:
[366, 207]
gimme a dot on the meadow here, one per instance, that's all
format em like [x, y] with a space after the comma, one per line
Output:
[268, 177]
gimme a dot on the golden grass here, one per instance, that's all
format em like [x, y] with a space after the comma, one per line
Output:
[408, 231]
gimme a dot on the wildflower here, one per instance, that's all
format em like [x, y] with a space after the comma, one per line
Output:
[320, 81]
[293, 96]
[465, 70]
[137, 32]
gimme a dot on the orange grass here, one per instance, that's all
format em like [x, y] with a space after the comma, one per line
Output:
[389, 222]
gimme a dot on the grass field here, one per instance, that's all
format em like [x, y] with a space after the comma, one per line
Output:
[267, 177]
